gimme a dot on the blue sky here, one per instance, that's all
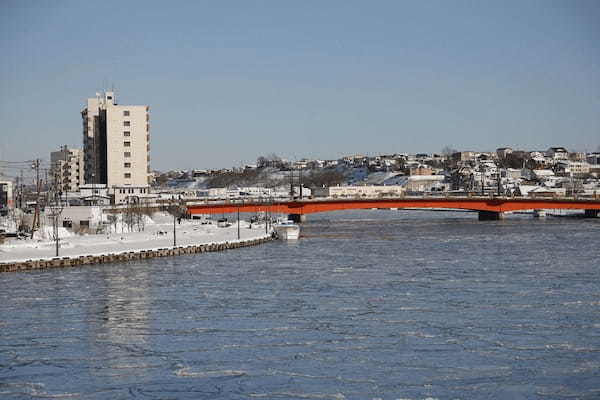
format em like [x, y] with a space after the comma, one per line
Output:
[228, 81]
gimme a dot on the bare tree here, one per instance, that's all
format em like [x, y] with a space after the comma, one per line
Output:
[133, 216]
[55, 210]
[447, 152]
[261, 162]
[326, 177]
[272, 160]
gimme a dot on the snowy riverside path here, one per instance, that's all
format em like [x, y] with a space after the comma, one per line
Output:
[158, 233]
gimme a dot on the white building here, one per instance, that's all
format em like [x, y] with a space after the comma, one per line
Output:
[579, 167]
[68, 169]
[87, 219]
[94, 194]
[593, 158]
[558, 153]
[116, 141]
[359, 191]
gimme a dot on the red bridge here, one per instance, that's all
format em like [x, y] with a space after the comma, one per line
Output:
[489, 208]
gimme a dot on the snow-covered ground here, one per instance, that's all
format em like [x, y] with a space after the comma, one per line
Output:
[158, 233]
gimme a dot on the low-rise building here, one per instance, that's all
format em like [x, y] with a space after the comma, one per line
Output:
[94, 195]
[502, 152]
[85, 219]
[358, 191]
[579, 168]
[421, 170]
[557, 153]
[593, 158]
[464, 155]
[540, 191]
[6, 194]
[131, 193]
[577, 156]
[424, 183]
[511, 173]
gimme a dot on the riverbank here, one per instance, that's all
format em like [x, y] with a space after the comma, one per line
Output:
[59, 262]
[156, 240]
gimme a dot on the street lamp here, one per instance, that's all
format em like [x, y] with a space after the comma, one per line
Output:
[173, 211]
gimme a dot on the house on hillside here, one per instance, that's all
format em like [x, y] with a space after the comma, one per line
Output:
[557, 153]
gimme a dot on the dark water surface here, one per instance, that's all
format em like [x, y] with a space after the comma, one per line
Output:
[369, 305]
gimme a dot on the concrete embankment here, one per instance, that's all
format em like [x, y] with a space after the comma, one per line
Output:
[72, 261]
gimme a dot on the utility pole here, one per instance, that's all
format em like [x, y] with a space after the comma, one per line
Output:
[292, 183]
[16, 192]
[62, 185]
[482, 180]
[47, 187]
[174, 227]
[55, 212]
[36, 216]
[300, 180]
[21, 191]
[498, 177]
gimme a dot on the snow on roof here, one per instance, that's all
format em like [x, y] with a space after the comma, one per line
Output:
[543, 172]
[426, 177]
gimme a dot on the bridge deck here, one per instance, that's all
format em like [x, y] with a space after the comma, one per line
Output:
[495, 204]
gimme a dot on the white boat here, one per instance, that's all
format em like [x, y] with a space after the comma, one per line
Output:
[287, 230]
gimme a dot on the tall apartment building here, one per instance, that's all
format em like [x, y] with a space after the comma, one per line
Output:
[116, 142]
[68, 168]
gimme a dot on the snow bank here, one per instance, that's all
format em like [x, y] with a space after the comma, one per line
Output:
[47, 233]
[158, 233]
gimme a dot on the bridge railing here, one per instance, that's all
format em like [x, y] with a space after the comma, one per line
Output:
[442, 195]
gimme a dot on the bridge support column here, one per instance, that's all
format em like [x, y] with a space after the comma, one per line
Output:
[592, 213]
[539, 213]
[297, 218]
[490, 215]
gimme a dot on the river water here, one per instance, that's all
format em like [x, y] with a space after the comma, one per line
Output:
[375, 304]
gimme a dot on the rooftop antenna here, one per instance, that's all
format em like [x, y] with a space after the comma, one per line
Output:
[112, 89]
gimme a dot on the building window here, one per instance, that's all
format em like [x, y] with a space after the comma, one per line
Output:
[127, 165]
[127, 154]
[127, 175]
[126, 113]
[127, 133]
[126, 123]
[127, 144]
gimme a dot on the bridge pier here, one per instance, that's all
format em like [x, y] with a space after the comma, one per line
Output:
[490, 215]
[297, 218]
[592, 213]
